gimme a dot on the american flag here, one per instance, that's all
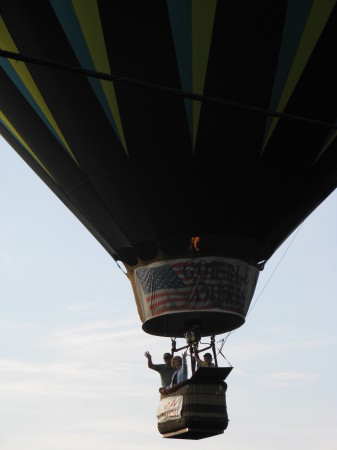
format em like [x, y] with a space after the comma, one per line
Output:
[159, 278]
[176, 286]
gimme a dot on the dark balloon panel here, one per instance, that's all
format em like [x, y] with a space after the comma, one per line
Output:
[146, 170]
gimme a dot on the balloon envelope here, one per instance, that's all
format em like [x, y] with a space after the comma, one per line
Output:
[147, 169]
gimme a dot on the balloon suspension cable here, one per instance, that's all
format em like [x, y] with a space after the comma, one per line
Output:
[277, 265]
[121, 268]
[224, 357]
[163, 89]
[192, 336]
[219, 350]
[224, 340]
[264, 287]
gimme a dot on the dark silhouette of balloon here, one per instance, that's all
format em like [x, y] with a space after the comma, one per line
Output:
[196, 132]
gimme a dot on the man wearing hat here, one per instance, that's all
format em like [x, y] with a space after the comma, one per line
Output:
[165, 370]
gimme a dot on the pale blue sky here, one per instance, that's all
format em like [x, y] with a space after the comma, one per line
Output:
[72, 369]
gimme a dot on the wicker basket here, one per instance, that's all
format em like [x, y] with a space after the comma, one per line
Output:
[204, 411]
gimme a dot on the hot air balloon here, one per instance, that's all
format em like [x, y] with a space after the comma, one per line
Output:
[190, 138]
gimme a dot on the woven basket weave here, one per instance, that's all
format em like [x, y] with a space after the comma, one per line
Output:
[204, 407]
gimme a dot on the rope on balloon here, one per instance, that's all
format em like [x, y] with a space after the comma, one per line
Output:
[223, 341]
[160, 88]
[221, 347]
[290, 243]
[121, 268]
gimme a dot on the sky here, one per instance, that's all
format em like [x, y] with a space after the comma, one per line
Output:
[73, 374]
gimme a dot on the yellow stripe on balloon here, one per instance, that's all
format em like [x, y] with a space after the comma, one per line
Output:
[318, 17]
[4, 119]
[89, 19]
[22, 71]
[203, 13]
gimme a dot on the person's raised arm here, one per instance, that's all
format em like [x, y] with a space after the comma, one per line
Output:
[150, 364]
